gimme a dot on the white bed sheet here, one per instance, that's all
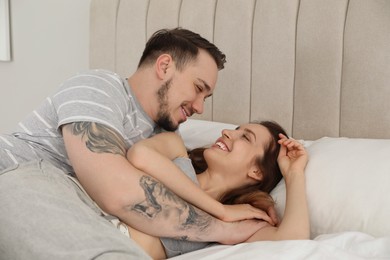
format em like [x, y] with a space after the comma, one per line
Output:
[343, 246]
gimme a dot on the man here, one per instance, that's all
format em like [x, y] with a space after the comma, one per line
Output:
[84, 131]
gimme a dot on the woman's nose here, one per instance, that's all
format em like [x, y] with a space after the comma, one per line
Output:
[227, 133]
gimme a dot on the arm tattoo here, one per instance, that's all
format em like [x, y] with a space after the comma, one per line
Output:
[160, 200]
[99, 138]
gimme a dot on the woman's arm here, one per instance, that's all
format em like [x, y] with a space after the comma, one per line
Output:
[295, 223]
[154, 156]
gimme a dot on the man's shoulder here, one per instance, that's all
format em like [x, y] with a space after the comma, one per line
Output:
[101, 74]
[95, 80]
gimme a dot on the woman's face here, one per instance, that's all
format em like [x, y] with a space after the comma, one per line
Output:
[235, 152]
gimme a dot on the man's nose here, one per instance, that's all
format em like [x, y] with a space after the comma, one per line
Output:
[198, 105]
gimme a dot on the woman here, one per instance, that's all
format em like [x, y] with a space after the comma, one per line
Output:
[243, 166]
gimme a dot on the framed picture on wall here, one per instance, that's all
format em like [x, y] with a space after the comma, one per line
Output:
[5, 34]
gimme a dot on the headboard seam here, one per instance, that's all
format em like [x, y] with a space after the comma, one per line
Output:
[342, 67]
[178, 16]
[146, 20]
[295, 69]
[213, 40]
[116, 35]
[251, 61]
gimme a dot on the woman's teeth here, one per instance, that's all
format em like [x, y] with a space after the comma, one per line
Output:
[222, 146]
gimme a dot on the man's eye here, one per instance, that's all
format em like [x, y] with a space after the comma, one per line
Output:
[199, 88]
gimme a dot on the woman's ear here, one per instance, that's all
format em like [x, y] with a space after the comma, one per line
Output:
[164, 64]
[255, 173]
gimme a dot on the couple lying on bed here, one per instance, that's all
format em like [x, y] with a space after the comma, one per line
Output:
[240, 168]
[87, 126]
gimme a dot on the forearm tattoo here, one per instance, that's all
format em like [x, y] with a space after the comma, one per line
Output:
[160, 200]
[99, 138]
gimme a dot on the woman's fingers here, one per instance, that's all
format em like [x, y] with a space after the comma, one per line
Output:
[290, 143]
[238, 212]
[260, 214]
[274, 216]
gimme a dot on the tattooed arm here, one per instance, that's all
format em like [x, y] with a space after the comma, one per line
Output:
[98, 157]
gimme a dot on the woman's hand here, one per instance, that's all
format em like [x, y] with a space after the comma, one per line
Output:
[292, 156]
[238, 212]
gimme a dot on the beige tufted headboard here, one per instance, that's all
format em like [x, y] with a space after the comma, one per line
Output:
[318, 67]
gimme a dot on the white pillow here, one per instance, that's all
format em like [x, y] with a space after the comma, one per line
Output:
[348, 184]
[200, 133]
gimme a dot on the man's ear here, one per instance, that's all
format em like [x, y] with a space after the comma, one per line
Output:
[255, 173]
[164, 64]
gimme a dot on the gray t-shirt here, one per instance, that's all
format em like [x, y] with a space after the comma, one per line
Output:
[174, 247]
[94, 96]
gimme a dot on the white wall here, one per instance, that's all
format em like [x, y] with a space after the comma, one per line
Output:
[50, 42]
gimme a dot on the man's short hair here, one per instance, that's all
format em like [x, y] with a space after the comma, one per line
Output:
[182, 44]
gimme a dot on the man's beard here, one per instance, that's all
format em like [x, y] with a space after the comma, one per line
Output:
[164, 119]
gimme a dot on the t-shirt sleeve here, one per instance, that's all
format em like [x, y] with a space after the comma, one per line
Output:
[95, 96]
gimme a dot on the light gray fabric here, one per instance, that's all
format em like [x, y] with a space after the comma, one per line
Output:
[173, 247]
[28, 192]
[319, 68]
[94, 96]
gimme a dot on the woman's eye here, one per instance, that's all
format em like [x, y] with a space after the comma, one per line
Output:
[246, 137]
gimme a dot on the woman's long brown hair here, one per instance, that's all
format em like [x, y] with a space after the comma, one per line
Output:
[256, 195]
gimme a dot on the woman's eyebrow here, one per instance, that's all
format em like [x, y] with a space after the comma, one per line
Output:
[250, 132]
[247, 130]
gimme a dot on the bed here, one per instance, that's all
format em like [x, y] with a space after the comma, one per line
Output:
[321, 68]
